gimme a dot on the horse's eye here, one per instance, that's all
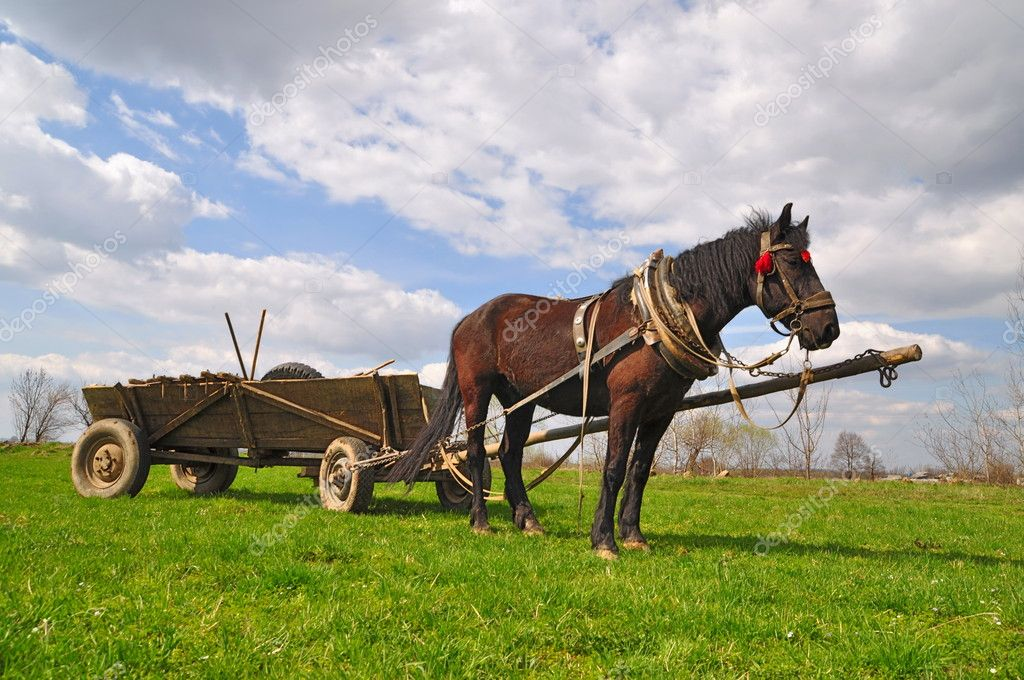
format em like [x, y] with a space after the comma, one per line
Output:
[805, 256]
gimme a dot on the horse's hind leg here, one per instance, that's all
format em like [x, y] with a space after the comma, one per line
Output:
[517, 429]
[476, 396]
[647, 439]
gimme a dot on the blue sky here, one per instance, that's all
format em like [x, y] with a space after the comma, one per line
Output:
[331, 212]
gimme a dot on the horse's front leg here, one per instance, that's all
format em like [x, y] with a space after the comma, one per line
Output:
[647, 439]
[622, 427]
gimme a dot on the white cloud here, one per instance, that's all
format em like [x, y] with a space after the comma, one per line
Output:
[856, 336]
[460, 90]
[135, 123]
[313, 302]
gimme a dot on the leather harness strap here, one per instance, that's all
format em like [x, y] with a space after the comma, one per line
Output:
[579, 328]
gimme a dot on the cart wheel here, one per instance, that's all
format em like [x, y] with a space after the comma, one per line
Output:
[453, 496]
[342, 488]
[108, 461]
[204, 479]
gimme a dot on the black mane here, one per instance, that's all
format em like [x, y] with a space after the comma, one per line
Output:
[714, 270]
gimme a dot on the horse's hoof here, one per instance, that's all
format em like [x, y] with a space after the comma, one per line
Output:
[637, 545]
[533, 528]
[483, 531]
[606, 554]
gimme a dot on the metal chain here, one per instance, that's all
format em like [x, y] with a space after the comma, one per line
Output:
[886, 374]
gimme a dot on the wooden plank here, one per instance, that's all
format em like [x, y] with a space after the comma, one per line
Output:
[244, 423]
[178, 457]
[310, 414]
[187, 415]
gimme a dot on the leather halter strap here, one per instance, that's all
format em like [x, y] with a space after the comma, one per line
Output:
[797, 307]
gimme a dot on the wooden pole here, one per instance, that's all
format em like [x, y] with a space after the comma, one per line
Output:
[259, 338]
[234, 341]
[893, 357]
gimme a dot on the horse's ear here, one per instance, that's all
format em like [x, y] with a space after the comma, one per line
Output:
[785, 219]
[803, 225]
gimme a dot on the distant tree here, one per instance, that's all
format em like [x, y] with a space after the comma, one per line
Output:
[965, 434]
[804, 430]
[701, 432]
[750, 447]
[872, 464]
[850, 452]
[40, 406]
[80, 413]
[596, 449]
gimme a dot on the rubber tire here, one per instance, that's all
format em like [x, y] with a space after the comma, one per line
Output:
[360, 493]
[136, 459]
[451, 494]
[292, 370]
[220, 478]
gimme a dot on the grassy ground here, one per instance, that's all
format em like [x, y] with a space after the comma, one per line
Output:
[883, 580]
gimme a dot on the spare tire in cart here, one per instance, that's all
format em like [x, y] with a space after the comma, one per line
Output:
[293, 370]
[110, 459]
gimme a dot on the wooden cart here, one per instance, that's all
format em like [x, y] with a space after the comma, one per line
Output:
[201, 426]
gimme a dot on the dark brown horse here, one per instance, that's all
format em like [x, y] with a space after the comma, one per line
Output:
[634, 387]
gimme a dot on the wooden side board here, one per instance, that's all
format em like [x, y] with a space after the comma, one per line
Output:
[296, 415]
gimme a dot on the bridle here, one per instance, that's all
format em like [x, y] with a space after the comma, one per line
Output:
[765, 266]
[797, 307]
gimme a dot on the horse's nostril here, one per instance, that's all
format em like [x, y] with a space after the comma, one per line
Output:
[831, 331]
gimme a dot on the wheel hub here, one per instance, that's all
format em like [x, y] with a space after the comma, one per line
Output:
[107, 465]
[341, 478]
[199, 472]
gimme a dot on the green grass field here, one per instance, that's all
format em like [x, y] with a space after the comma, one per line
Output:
[885, 580]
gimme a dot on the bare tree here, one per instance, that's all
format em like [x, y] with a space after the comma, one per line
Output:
[750, 447]
[804, 430]
[595, 448]
[40, 406]
[850, 452]
[26, 398]
[965, 435]
[80, 414]
[872, 464]
[700, 432]
[1011, 417]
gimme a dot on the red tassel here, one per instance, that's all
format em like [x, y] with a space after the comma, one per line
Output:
[805, 256]
[764, 264]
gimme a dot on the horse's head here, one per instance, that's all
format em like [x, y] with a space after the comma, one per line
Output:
[786, 287]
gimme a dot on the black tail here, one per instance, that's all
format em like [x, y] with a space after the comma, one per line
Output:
[442, 420]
